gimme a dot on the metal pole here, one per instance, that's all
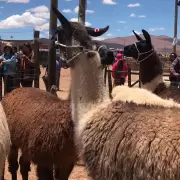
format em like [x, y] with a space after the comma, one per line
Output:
[175, 24]
[52, 49]
[82, 11]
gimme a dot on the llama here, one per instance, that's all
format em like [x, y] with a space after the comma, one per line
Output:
[150, 67]
[5, 141]
[120, 139]
[41, 127]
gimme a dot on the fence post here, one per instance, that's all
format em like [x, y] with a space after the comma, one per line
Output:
[36, 57]
[105, 74]
[139, 78]
[110, 82]
[0, 84]
[52, 47]
[129, 77]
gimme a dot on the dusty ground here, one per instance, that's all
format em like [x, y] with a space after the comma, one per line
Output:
[79, 172]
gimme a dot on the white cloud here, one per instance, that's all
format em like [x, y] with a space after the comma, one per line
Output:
[133, 5]
[156, 29]
[18, 1]
[76, 20]
[43, 27]
[89, 11]
[76, 10]
[137, 32]
[118, 30]
[66, 11]
[1, 7]
[109, 34]
[122, 22]
[109, 2]
[68, 0]
[40, 11]
[132, 15]
[34, 17]
[141, 16]
[20, 21]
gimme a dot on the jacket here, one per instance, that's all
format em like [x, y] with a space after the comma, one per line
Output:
[9, 65]
[120, 65]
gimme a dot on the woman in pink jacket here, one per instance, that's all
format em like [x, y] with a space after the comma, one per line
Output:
[119, 65]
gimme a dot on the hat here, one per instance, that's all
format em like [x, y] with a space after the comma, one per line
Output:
[8, 44]
[119, 57]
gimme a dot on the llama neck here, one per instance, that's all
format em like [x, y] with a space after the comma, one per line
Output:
[87, 86]
[151, 73]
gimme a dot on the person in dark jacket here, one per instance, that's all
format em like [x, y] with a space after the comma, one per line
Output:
[27, 66]
[174, 70]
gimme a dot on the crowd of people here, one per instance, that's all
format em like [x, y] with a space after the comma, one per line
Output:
[120, 65]
[17, 67]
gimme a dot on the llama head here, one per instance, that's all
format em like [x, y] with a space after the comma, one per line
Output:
[74, 39]
[141, 49]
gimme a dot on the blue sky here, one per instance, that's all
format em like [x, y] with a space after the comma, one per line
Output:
[19, 17]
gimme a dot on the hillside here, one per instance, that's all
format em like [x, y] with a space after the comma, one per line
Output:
[160, 43]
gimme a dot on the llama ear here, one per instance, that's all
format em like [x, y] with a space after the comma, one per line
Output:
[147, 36]
[66, 25]
[90, 54]
[139, 38]
[95, 32]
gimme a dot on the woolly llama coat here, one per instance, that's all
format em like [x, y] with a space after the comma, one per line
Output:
[122, 139]
[5, 140]
[40, 125]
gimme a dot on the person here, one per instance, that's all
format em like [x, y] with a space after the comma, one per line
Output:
[27, 64]
[119, 65]
[58, 70]
[8, 62]
[174, 76]
[172, 57]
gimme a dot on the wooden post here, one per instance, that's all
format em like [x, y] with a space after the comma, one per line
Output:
[36, 57]
[0, 84]
[175, 24]
[82, 11]
[52, 49]
[110, 82]
[105, 75]
[129, 77]
[139, 78]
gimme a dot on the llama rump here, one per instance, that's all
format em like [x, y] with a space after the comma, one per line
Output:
[150, 65]
[122, 139]
[41, 127]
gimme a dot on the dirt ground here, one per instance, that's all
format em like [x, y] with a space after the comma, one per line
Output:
[79, 172]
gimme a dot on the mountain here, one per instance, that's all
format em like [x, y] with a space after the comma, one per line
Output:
[161, 43]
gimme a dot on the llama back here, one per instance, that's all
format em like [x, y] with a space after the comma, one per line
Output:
[35, 113]
[124, 130]
[172, 93]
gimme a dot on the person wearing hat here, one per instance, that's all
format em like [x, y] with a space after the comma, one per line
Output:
[8, 66]
[174, 76]
[119, 65]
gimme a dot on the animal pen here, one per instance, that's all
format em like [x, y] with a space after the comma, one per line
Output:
[133, 69]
